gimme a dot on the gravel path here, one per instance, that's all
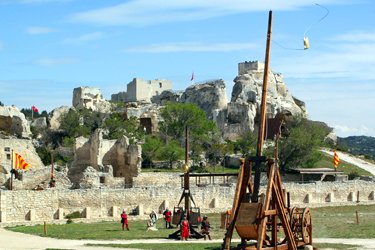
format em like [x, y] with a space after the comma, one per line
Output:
[12, 240]
[353, 160]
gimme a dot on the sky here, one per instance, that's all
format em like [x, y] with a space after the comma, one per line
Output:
[50, 47]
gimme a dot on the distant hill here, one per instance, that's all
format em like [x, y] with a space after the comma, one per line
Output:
[358, 145]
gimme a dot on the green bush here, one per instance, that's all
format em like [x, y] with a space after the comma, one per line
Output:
[353, 174]
[74, 215]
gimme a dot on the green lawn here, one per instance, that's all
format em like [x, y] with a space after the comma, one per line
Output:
[112, 230]
[328, 222]
[341, 222]
[347, 168]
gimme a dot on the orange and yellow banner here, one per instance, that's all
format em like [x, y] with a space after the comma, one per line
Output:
[336, 159]
[19, 162]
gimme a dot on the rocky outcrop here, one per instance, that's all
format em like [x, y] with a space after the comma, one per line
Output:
[39, 123]
[246, 100]
[55, 116]
[13, 122]
[90, 98]
[40, 179]
[209, 96]
[24, 147]
[248, 89]
[165, 97]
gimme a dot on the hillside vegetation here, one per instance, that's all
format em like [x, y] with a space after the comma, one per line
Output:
[358, 145]
[298, 146]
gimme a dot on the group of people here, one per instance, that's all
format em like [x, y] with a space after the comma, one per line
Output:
[184, 225]
[185, 228]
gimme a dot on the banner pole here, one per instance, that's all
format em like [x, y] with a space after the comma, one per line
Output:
[11, 171]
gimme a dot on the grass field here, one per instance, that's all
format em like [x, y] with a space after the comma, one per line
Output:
[328, 222]
[347, 168]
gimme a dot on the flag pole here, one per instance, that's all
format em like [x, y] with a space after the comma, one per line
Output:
[11, 171]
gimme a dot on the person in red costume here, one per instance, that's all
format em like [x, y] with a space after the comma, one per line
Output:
[185, 229]
[124, 220]
[167, 217]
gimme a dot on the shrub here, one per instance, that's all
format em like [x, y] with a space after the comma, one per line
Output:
[74, 215]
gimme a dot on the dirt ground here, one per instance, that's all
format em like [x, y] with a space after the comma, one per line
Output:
[12, 240]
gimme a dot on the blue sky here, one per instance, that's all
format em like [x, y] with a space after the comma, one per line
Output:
[49, 47]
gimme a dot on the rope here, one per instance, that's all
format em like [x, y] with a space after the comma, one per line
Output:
[306, 43]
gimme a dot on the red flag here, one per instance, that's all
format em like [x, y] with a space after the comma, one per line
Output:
[192, 76]
[19, 162]
[35, 109]
[336, 159]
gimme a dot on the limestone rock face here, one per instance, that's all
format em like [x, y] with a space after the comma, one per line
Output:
[246, 100]
[40, 123]
[165, 97]
[13, 122]
[90, 178]
[248, 89]
[55, 116]
[90, 98]
[209, 96]
[24, 147]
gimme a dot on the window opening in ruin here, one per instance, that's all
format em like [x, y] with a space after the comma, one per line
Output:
[160, 84]
[7, 149]
[8, 156]
[102, 179]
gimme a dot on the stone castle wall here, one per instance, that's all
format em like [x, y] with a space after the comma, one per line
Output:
[34, 207]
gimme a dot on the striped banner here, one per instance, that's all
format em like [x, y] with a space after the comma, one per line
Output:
[19, 162]
[336, 159]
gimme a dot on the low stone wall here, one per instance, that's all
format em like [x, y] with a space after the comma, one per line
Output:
[34, 207]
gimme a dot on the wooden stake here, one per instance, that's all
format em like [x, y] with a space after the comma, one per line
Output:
[357, 217]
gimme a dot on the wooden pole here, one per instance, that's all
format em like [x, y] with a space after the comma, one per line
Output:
[45, 229]
[263, 106]
[357, 217]
[186, 176]
[11, 172]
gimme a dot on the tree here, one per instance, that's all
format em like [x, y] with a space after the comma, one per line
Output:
[80, 122]
[151, 149]
[1, 104]
[300, 147]
[178, 116]
[172, 152]
[246, 145]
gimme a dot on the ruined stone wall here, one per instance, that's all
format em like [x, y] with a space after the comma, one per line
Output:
[32, 207]
[24, 147]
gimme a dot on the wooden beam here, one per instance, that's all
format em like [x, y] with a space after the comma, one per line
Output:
[263, 224]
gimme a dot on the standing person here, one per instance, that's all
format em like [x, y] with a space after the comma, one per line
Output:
[124, 220]
[153, 218]
[184, 229]
[205, 227]
[167, 217]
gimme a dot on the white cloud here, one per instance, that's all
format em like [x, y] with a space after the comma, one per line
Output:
[355, 36]
[191, 47]
[338, 60]
[148, 12]
[84, 38]
[345, 131]
[55, 61]
[38, 30]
